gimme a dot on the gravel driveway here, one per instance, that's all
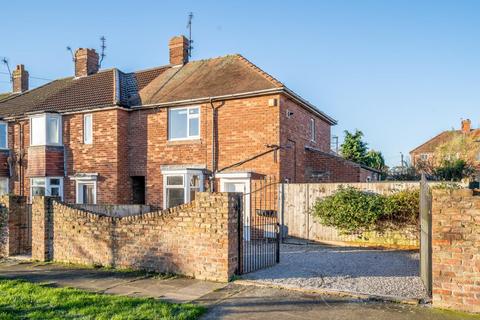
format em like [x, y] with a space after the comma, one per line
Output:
[357, 270]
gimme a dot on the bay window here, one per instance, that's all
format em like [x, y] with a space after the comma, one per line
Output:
[46, 186]
[184, 123]
[46, 129]
[3, 135]
[180, 186]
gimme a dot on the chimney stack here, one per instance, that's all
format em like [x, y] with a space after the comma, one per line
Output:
[466, 126]
[86, 62]
[178, 50]
[20, 79]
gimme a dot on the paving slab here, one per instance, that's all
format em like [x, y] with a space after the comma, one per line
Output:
[252, 302]
[174, 289]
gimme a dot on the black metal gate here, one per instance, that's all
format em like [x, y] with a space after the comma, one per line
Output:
[259, 236]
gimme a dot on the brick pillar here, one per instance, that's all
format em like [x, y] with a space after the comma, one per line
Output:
[4, 234]
[42, 228]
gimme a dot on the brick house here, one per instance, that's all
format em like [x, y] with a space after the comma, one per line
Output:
[426, 151]
[156, 136]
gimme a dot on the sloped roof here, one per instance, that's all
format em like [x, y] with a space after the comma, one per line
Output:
[441, 138]
[216, 77]
[222, 76]
[6, 95]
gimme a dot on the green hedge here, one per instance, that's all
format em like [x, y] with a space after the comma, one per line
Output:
[352, 210]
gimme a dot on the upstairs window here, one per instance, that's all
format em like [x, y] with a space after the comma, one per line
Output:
[87, 129]
[312, 129]
[46, 129]
[424, 156]
[184, 123]
[3, 135]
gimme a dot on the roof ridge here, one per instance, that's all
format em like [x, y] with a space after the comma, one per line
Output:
[433, 138]
[265, 74]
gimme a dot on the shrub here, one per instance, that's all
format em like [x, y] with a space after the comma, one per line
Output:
[350, 210]
[354, 211]
[403, 206]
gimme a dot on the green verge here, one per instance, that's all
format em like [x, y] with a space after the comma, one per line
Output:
[24, 300]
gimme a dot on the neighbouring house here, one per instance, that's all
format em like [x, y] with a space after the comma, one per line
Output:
[425, 154]
[157, 136]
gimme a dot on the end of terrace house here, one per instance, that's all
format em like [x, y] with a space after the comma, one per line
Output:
[157, 136]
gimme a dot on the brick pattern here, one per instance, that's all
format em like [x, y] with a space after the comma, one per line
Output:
[178, 50]
[198, 239]
[20, 79]
[45, 161]
[295, 134]
[320, 167]
[42, 228]
[14, 226]
[86, 62]
[4, 167]
[456, 250]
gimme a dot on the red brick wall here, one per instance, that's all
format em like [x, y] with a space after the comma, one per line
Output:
[136, 143]
[456, 249]
[295, 133]
[320, 167]
[45, 161]
[107, 155]
[245, 127]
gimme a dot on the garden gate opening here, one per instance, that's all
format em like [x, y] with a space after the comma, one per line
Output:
[259, 231]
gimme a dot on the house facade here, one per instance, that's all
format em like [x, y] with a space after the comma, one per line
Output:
[157, 136]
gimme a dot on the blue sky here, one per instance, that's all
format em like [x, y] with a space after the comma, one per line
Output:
[400, 71]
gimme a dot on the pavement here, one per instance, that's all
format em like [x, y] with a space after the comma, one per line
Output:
[224, 301]
[136, 284]
[252, 302]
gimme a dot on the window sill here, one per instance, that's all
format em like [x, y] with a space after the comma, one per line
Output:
[184, 141]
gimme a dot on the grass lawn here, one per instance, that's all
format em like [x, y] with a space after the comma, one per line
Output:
[24, 300]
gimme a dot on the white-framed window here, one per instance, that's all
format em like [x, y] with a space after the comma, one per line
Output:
[312, 129]
[180, 186]
[46, 129]
[184, 123]
[3, 186]
[46, 186]
[88, 129]
[3, 135]
[86, 192]
[424, 156]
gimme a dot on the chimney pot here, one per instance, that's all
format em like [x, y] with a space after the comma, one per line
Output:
[20, 79]
[466, 125]
[86, 62]
[178, 50]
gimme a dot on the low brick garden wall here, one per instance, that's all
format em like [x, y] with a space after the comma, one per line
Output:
[456, 250]
[198, 239]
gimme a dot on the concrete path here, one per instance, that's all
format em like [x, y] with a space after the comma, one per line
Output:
[253, 302]
[319, 268]
[175, 289]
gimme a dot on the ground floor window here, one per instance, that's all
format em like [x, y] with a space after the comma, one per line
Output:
[3, 186]
[86, 192]
[180, 186]
[46, 186]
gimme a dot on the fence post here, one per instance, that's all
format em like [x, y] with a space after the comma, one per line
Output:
[282, 211]
[426, 235]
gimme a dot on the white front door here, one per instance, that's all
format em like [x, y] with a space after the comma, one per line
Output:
[244, 188]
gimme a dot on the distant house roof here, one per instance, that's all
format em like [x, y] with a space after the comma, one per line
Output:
[431, 145]
[213, 78]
